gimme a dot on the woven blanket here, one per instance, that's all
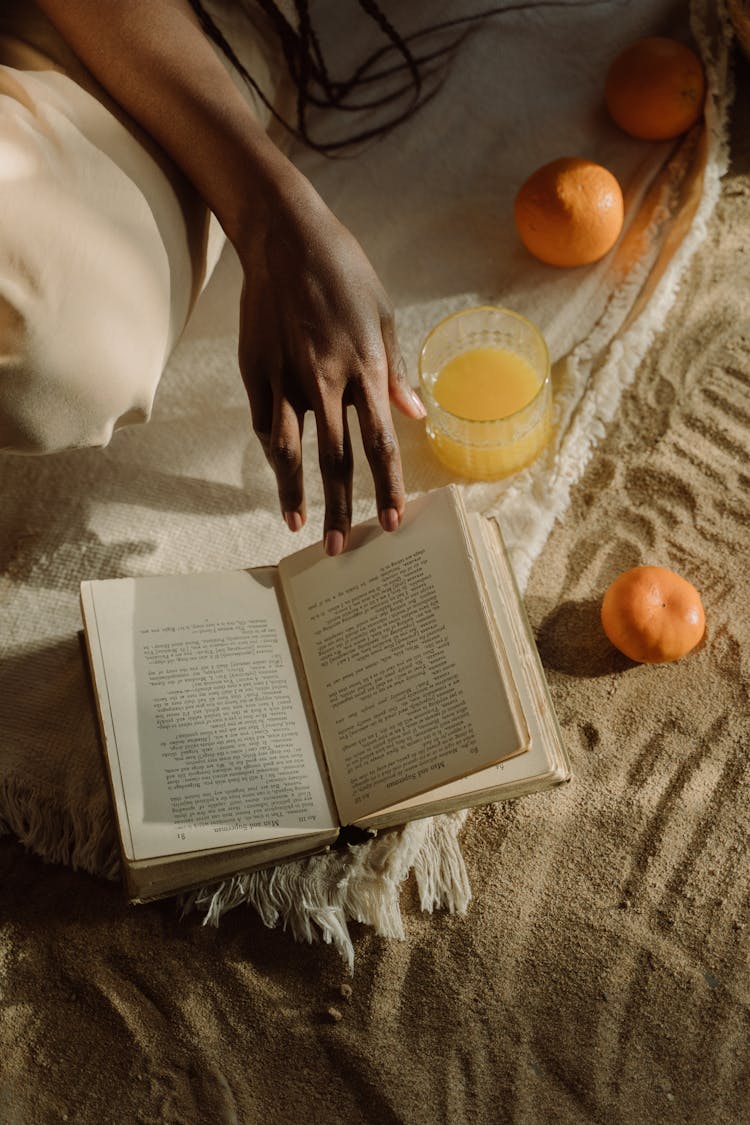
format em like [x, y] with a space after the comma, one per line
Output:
[190, 491]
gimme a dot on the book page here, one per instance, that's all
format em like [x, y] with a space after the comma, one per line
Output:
[203, 717]
[546, 761]
[524, 772]
[407, 684]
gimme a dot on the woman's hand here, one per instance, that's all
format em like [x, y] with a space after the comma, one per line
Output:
[317, 329]
[317, 334]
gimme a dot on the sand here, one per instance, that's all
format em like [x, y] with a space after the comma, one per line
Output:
[601, 973]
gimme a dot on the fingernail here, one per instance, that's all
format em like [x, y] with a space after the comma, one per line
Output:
[389, 520]
[334, 543]
[293, 520]
[417, 402]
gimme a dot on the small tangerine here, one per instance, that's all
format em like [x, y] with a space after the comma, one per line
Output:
[569, 212]
[652, 614]
[655, 89]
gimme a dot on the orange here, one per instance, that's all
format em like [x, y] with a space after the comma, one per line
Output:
[569, 212]
[653, 615]
[654, 90]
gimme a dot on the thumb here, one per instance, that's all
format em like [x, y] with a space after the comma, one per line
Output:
[401, 394]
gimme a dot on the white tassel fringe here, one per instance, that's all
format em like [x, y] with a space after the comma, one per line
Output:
[314, 899]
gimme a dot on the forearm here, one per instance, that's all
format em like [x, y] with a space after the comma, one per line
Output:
[316, 326]
[155, 61]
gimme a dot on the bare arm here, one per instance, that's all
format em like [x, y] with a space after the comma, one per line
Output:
[316, 325]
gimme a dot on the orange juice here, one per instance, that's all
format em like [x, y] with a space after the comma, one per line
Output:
[485, 379]
[487, 383]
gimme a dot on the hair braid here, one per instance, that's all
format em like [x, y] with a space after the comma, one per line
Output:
[375, 13]
[308, 68]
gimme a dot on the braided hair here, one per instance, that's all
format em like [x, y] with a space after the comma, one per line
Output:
[396, 78]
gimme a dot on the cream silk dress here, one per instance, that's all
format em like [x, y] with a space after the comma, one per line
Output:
[104, 246]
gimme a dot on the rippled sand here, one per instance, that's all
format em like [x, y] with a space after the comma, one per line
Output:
[601, 974]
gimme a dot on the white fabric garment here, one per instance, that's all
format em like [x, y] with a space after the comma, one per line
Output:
[103, 245]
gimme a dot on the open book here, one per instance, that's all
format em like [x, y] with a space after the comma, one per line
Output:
[246, 716]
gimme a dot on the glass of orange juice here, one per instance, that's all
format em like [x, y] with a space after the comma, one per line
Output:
[484, 375]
